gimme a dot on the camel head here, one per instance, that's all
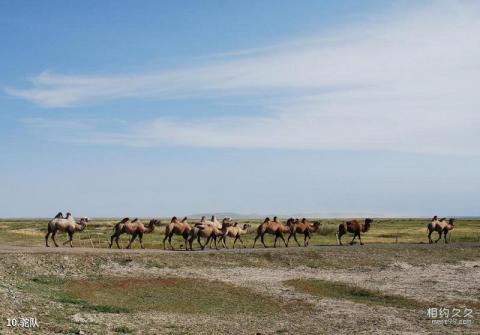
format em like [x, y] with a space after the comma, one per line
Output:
[155, 222]
[82, 224]
[451, 222]
[246, 226]
[290, 221]
[368, 222]
[226, 224]
[226, 219]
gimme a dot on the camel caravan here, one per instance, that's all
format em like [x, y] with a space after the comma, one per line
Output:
[216, 232]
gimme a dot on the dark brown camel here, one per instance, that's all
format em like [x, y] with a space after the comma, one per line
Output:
[134, 228]
[302, 227]
[354, 227]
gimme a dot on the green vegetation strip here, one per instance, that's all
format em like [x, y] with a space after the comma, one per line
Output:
[335, 290]
[177, 295]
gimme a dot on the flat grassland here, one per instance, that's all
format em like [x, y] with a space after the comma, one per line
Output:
[385, 286]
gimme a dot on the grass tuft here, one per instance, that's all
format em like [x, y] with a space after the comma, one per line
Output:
[335, 290]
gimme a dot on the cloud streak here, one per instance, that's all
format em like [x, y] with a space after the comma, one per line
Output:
[406, 81]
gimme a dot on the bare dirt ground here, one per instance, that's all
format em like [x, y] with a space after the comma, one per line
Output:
[429, 275]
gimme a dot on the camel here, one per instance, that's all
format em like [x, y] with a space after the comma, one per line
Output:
[441, 227]
[354, 227]
[134, 228]
[67, 225]
[302, 227]
[274, 227]
[208, 230]
[178, 228]
[237, 232]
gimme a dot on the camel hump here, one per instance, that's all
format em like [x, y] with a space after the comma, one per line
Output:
[59, 215]
[124, 220]
[184, 219]
[435, 218]
[135, 220]
[267, 219]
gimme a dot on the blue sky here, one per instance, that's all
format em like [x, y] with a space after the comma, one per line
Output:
[332, 108]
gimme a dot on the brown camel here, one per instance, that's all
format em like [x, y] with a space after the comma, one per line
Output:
[274, 227]
[67, 224]
[236, 232]
[134, 228]
[354, 227]
[176, 227]
[302, 227]
[208, 231]
[441, 226]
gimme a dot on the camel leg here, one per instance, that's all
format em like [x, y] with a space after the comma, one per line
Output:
[170, 241]
[164, 239]
[439, 236]
[116, 241]
[235, 241]
[295, 238]
[353, 239]
[339, 237]
[208, 242]
[281, 236]
[255, 241]
[140, 237]
[71, 239]
[360, 238]
[199, 242]
[223, 242]
[215, 240]
[262, 239]
[445, 236]
[46, 238]
[305, 239]
[53, 238]
[190, 242]
[241, 241]
[134, 236]
[275, 243]
[289, 237]
[111, 241]
[430, 237]
[185, 238]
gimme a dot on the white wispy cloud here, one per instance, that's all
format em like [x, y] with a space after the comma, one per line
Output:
[407, 81]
